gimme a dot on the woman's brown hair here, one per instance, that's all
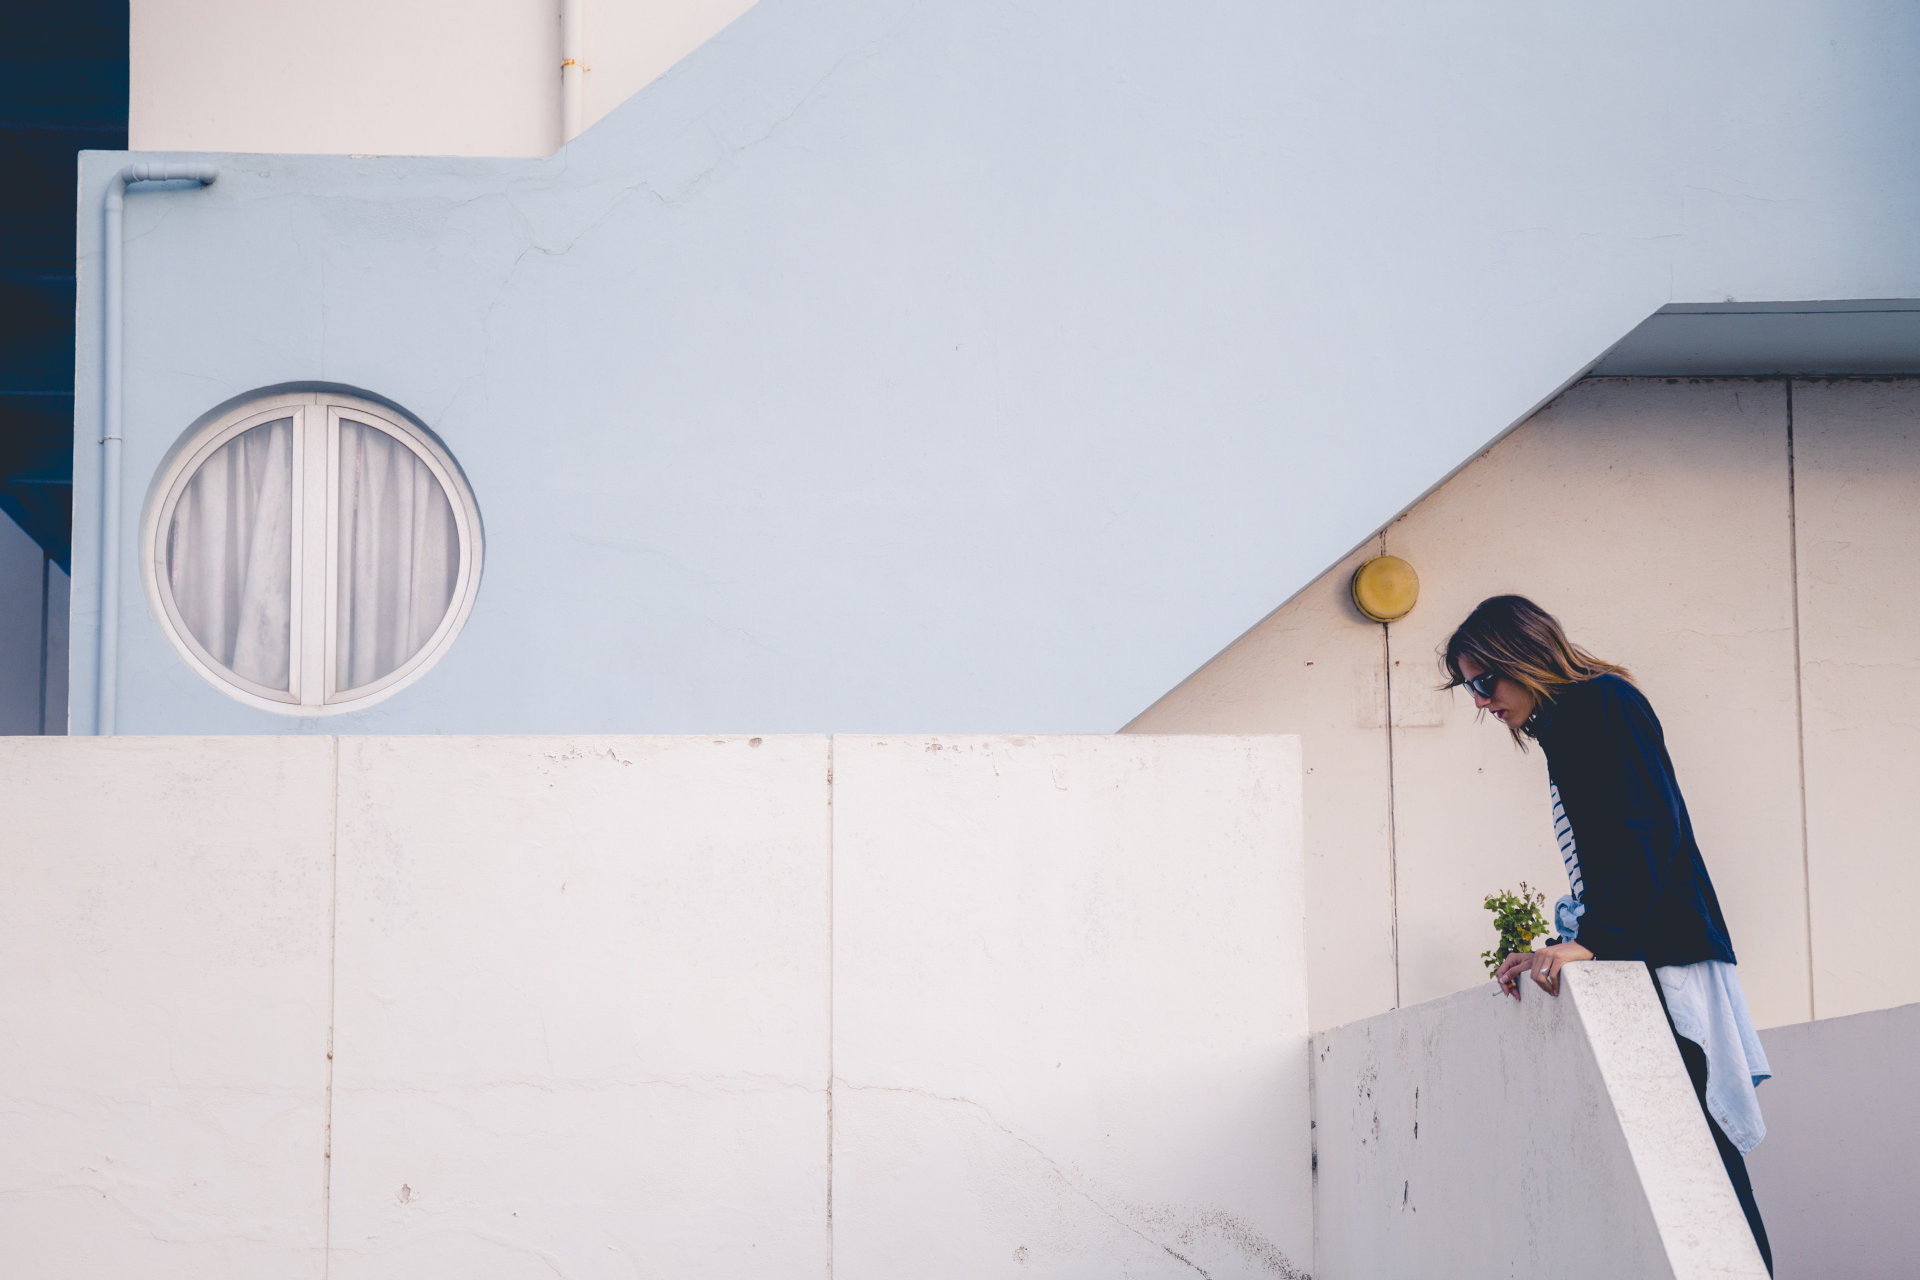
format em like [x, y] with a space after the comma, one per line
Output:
[1513, 637]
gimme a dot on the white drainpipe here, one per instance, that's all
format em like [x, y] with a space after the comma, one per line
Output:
[107, 648]
[572, 70]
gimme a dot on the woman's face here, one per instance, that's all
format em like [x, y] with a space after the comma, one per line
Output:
[1510, 704]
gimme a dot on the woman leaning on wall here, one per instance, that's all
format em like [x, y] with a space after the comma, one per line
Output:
[1638, 888]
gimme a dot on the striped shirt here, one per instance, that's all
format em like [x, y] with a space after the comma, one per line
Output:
[1569, 853]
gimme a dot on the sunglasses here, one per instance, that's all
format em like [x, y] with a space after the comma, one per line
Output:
[1482, 684]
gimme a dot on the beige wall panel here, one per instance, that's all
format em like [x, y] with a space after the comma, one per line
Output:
[1651, 516]
[1313, 668]
[391, 77]
[164, 937]
[1857, 489]
[631, 43]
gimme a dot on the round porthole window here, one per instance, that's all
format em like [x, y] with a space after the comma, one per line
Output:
[312, 552]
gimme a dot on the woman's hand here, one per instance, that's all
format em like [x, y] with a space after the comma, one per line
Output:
[1543, 966]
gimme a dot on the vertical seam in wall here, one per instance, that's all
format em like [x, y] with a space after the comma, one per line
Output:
[1393, 835]
[831, 822]
[333, 956]
[1799, 699]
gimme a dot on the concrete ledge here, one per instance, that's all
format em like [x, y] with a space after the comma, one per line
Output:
[1472, 1136]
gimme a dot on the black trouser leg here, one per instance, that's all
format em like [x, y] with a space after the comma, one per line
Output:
[1695, 1059]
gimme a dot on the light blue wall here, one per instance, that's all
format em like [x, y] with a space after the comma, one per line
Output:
[974, 365]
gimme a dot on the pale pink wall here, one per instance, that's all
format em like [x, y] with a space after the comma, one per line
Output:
[1656, 518]
[390, 77]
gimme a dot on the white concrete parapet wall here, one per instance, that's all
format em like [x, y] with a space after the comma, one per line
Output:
[581, 1007]
[729, 1007]
[1472, 1136]
[164, 968]
[1069, 1016]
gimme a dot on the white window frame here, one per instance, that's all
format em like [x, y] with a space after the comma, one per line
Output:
[313, 625]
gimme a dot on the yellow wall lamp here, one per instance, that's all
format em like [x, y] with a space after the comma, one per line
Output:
[1385, 588]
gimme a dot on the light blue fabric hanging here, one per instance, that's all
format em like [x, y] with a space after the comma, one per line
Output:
[1709, 1008]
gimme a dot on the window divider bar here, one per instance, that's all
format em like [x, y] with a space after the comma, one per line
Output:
[295, 581]
[314, 553]
[330, 630]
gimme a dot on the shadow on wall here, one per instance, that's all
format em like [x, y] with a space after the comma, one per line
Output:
[33, 635]
[1834, 1177]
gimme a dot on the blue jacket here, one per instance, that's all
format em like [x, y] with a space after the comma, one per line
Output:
[1647, 893]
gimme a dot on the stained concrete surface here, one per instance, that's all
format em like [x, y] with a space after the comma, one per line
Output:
[1474, 1136]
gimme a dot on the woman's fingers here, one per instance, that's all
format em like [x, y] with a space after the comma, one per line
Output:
[1541, 966]
[1508, 974]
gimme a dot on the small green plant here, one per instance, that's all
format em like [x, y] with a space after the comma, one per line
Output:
[1517, 917]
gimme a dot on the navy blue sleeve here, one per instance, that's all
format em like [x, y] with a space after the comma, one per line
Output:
[1628, 821]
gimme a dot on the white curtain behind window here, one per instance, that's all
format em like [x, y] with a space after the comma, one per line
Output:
[399, 555]
[230, 554]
